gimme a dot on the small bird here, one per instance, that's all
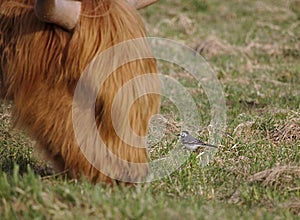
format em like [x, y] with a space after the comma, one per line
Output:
[191, 143]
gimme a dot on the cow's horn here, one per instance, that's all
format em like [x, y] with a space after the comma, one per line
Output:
[138, 4]
[64, 13]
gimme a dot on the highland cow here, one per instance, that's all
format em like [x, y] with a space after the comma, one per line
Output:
[44, 50]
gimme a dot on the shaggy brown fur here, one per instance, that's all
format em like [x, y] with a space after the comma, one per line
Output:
[39, 70]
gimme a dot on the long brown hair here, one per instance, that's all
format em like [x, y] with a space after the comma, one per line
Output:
[40, 66]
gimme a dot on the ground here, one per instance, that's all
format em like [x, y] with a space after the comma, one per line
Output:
[254, 49]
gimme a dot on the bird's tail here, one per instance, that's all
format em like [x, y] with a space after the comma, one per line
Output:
[210, 145]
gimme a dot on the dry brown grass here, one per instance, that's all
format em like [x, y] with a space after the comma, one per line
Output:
[288, 131]
[282, 174]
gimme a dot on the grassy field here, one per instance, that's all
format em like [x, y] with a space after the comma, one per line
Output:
[254, 48]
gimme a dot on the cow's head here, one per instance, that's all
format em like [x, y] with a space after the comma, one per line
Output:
[65, 13]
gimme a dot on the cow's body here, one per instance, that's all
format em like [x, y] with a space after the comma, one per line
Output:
[40, 66]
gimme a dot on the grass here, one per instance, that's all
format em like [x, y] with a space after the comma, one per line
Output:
[254, 47]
